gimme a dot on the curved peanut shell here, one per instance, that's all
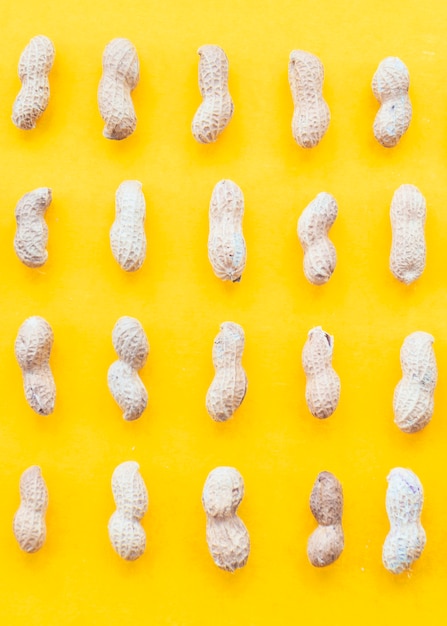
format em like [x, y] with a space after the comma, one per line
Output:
[121, 73]
[35, 64]
[227, 537]
[32, 349]
[127, 236]
[216, 110]
[315, 221]
[29, 522]
[390, 86]
[32, 231]
[311, 116]
[226, 243]
[413, 397]
[408, 210]
[229, 385]
[323, 383]
[126, 534]
[406, 540]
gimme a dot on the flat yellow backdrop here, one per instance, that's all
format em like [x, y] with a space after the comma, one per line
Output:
[273, 440]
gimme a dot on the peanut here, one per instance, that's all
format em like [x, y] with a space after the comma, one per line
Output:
[407, 259]
[126, 534]
[32, 348]
[226, 244]
[314, 223]
[121, 73]
[132, 347]
[35, 64]
[226, 534]
[406, 539]
[229, 385]
[216, 110]
[127, 236]
[311, 116]
[413, 397]
[32, 232]
[390, 87]
[326, 543]
[29, 521]
[323, 383]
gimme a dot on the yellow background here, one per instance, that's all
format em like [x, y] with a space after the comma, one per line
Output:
[273, 440]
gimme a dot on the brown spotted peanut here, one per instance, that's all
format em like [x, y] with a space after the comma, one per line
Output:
[390, 87]
[121, 73]
[32, 349]
[126, 534]
[311, 116]
[35, 64]
[226, 534]
[323, 383]
[326, 503]
[229, 385]
[216, 110]
[29, 521]
[314, 224]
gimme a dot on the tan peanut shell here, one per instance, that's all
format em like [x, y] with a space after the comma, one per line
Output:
[406, 540]
[216, 110]
[314, 224]
[390, 86]
[323, 383]
[229, 385]
[132, 348]
[127, 236]
[311, 115]
[226, 243]
[326, 543]
[120, 76]
[413, 397]
[408, 210]
[227, 537]
[29, 521]
[31, 237]
[32, 349]
[126, 534]
[35, 64]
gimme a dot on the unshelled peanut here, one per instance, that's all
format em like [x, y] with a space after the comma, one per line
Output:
[229, 385]
[408, 210]
[127, 236]
[31, 237]
[406, 539]
[35, 64]
[32, 349]
[121, 73]
[226, 534]
[326, 503]
[226, 243]
[132, 348]
[126, 534]
[314, 223]
[323, 383]
[413, 397]
[390, 87]
[29, 521]
[216, 110]
[311, 116]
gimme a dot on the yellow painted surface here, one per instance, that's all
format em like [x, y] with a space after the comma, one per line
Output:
[273, 440]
